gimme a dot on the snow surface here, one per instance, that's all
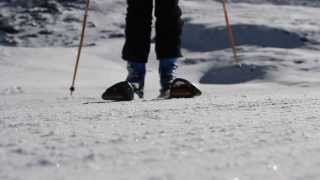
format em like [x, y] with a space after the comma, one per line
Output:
[259, 122]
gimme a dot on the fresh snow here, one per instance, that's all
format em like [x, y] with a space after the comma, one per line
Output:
[261, 124]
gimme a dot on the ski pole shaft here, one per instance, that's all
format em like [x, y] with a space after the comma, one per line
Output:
[230, 33]
[84, 22]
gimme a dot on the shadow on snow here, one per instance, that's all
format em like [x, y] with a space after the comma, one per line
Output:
[235, 74]
[200, 38]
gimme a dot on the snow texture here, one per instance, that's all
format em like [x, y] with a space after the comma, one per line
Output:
[259, 121]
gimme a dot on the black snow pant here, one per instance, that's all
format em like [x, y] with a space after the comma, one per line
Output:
[139, 25]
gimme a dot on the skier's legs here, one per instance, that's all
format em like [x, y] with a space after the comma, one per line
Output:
[138, 31]
[168, 29]
[168, 40]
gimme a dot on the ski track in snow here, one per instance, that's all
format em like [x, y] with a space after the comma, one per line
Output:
[267, 128]
[223, 137]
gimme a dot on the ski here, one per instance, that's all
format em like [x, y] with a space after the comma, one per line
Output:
[124, 91]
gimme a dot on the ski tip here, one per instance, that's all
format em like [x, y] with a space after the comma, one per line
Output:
[122, 91]
[182, 88]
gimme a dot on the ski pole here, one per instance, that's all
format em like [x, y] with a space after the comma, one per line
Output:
[72, 88]
[230, 33]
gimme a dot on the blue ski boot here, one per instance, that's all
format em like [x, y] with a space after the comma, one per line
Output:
[136, 76]
[167, 71]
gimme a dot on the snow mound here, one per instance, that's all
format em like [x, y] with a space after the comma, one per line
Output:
[282, 2]
[57, 23]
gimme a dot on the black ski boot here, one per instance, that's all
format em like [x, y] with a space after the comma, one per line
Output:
[181, 88]
[172, 87]
[124, 91]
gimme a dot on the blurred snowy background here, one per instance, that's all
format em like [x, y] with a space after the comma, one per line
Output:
[38, 23]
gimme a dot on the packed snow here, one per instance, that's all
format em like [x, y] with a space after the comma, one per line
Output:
[257, 122]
